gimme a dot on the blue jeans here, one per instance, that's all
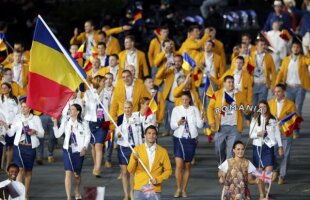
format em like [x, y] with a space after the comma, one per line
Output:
[224, 141]
[260, 92]
[168, 112]
[138, 195]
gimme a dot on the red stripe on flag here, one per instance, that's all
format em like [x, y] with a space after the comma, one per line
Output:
[47, 96]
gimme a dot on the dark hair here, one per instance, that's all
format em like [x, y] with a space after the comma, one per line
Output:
[178, 55]
[260, 40]
[228, 77]
[268, 113]
[79, 108]
[20, 42]
[126, 71]
[131, 37]
[103, 44]
[6, 70]
[236, 143]
[91, 22]
[240, 58]
[147, 77]
[192, 27]
[96, 80]
[246, 35]
[211, 42]
[282, 86]
[102, 33]
[142, 101]
[188, 94]
[11, 96]
[165, 27]
[151, 127]
[12, 165]
[115, 56]
[165, 41]
[109, 73]
[296, 42]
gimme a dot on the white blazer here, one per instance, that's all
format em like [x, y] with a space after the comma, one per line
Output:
[65, 112]
[90, 106]
[2, 130]
[192, 115]
[135, 123]
[34, 123]
[148, 121]
[81, 131]
[272, 129]
[9, 108]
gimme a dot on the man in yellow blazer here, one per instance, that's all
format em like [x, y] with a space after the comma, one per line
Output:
[218, 45]
[264, 72]
[20, 47]
[280, 107]
[169, 74]
[113, 68]
[225, 117]
[8, 77]
[20, 70]
[156, 160]
[245, 53]
[133, 56]
[294, 73]
[129, 90]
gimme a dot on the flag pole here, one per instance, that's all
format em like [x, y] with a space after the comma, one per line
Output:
[95, 95]
[268, 190]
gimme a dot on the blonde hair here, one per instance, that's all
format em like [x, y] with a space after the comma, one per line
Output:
[128, 103]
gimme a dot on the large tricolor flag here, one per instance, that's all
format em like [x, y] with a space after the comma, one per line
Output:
[290, 123]
[53, 74]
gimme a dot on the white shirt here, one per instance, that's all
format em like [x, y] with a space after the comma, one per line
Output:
[209, 66]
[90, 43]
[292, 72]
[114, 70]
[230, 115]
[34, 122]
[175, 84]
[224, 167]
[17, 74]
[279, 106]
[106, 96]
[102, 60]
[134, 122]
[259, 75]
[91, 105]
[151, 151]
[148, 121]
[238, 80]
[273, 131]
[129, 91]
[193, 118]
[131, 59]
[18, 186]
[2, 130]
[80, 129]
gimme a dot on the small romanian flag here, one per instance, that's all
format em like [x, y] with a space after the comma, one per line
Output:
[250, 68]
[290, 123]
[153, 106]
[209, 89]
[228, 98]
[3, 46]
[80, 52]
[285, 35]
[188, 63]
[53, 74]
[108, 140]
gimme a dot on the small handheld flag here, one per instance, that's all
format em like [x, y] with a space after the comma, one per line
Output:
[148, 191]
[188, 63]
[290, 123]
[209, 89]
[228, 98]
[80, 52]
[108, 140]
[153, 106]
[266, 177]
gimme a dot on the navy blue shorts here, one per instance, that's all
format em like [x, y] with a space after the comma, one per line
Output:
[267, 156]
[24, 156]
[184, 148]
[9, 140]
[73, 161]
[98, 135]
[124, 154]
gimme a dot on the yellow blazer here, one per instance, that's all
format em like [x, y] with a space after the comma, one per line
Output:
[287, 108]
[160, 113]
[246, 61]
[215, 117]
[143, 69]
[103, 71]
[113, 46]
[218, 63]
[168, 76]
[25, 72]
[160, 62]
[177, 93]
[82, 37]
[269, 69]
[9, 59]
[119, 97]
[192, 46]
[303, 63]
[161, 168]
[246, 84]
[219, 50]
[154, 50]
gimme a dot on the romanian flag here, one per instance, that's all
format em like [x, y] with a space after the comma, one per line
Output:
[3, 46]
[228, 98]
[108, 140]
[80, 52]
[137, 19]
[285, 35]
[209, 89]
[188, 63]
[250, 67]
[290, 123]
[53, 74]
[153, 106]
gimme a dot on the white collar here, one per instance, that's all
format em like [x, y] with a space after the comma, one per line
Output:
[151, 148]
[281, 101]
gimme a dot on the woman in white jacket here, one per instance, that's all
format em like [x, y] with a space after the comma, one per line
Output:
[185, 121]
[77, 137]
[27, 129]
[147, 118]
[264, 131]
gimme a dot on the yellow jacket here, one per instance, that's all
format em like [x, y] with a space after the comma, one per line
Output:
[161, 168]
[154, 50]
[143, 69]
[160, 113]
[177, 93]
[25, 72]
[218, 64]
[119, 97]
[287, 108]
[9, 59]
[192, 46]
[303, 63]
[103, 71]
[246, 84]
[219, 49]
[113, 46]
[168, 76]
[160, 62]
[215, 106]
[246, 61]
[269, 69]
